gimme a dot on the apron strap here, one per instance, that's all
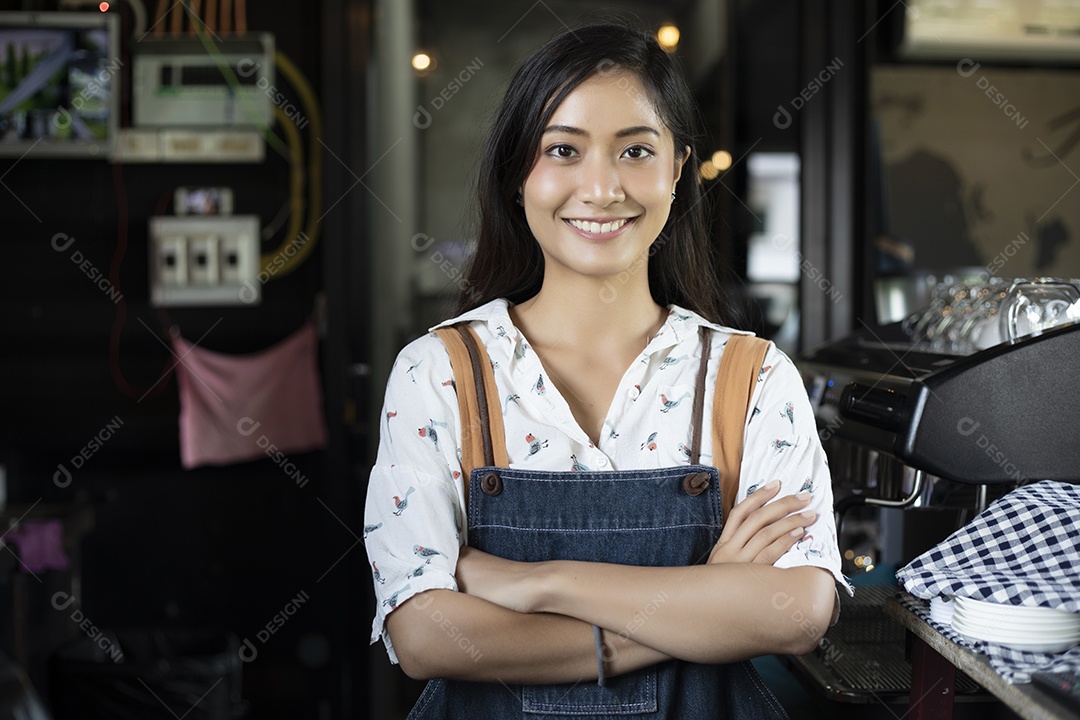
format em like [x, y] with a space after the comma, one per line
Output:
[483, 439]
[736, 379]
[699, 396]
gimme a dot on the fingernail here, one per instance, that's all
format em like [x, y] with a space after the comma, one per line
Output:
[797, 532]
[772, 485]
[802, 496]
[808, 514]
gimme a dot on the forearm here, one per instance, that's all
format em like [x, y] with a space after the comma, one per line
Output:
[447, 634]
[703, 613]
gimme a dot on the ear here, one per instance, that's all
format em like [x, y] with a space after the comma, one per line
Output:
[679, 162]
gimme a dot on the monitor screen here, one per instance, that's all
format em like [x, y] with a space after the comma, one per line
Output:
[59, 84]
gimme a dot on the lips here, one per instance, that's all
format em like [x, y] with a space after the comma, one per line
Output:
[602, 229]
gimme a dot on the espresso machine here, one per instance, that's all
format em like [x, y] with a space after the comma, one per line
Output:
[919, 442]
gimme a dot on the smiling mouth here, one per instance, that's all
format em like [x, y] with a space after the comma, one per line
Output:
[596, 228]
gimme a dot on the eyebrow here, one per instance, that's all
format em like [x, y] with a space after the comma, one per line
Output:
[571, 130]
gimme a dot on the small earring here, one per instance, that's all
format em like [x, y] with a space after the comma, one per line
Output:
[519, 198]
[672, 195]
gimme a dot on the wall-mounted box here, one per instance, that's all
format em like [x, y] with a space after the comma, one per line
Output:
[205, 260]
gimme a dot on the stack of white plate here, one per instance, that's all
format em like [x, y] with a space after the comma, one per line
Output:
[1035, 629]
[941, 609]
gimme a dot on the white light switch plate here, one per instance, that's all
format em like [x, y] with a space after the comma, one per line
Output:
[205, 260]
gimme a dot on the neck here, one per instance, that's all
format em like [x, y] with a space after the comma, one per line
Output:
[587, 312]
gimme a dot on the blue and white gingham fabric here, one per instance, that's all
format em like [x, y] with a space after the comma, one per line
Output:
[1025, 550]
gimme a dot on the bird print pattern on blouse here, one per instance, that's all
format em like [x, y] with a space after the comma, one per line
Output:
[669, 405]
[534, 445]
[403, 502]
[414, 519]
[430, 432]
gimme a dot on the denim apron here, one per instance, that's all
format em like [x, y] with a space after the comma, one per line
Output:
[663, 517]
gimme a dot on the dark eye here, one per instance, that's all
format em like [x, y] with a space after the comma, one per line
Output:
[637, 152]
[562, 151]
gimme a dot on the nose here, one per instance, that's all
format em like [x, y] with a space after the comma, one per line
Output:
[600, 183]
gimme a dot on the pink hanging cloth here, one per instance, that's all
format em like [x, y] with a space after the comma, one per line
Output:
[41, 545]
[235, 408]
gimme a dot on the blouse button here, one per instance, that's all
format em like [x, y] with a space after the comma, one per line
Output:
[633, 393]
[491, 484]
[602, 461]
[695, 483]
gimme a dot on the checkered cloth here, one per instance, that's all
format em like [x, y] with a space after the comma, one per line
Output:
[1025, 550]
[1015, 666]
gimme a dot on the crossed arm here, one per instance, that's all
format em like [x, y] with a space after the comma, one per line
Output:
[531, 622]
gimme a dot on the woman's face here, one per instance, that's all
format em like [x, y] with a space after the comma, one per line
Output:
[600, 190]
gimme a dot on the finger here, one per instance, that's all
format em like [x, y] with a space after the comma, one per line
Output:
[753, 502]
[770, 552]
[754, 520]
[778, 533]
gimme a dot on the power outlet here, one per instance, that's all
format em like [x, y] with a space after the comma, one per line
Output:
[204, 260]
[171, 262]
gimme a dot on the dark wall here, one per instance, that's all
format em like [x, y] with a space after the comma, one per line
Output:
[219, 548]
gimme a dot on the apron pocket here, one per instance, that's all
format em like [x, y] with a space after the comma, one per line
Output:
[630, 694]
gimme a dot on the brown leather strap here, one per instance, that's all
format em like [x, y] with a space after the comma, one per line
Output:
[483, 439]
[740, 365]
[699, 396]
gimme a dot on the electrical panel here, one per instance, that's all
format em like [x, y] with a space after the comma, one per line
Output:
[205, 260]
[183, 83]
[200, 102]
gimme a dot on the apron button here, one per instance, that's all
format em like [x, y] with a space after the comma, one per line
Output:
[491, 484]
[695, 483]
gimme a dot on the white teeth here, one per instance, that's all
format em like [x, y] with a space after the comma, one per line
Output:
[597, 228]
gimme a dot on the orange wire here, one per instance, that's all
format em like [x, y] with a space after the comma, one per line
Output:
[196, 8]
[162, 9]
[176, 21]
[211, 15]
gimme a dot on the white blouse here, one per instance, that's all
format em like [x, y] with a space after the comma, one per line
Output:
[415, 513]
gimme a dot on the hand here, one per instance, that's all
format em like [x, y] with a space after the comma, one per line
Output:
[756, 532]
[504, 582]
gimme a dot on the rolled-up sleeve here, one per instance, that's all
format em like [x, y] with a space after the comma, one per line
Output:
[782, 442]
[415, 507]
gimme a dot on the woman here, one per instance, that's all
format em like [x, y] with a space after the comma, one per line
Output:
[574, 583]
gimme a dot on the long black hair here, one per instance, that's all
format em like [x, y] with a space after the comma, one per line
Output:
[508, 261]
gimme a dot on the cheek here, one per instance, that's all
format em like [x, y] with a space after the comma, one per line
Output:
[546, 186]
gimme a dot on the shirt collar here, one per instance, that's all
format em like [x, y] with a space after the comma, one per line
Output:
[684, 324]
[681, 324]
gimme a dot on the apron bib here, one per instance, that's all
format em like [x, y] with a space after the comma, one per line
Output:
[663, 517]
